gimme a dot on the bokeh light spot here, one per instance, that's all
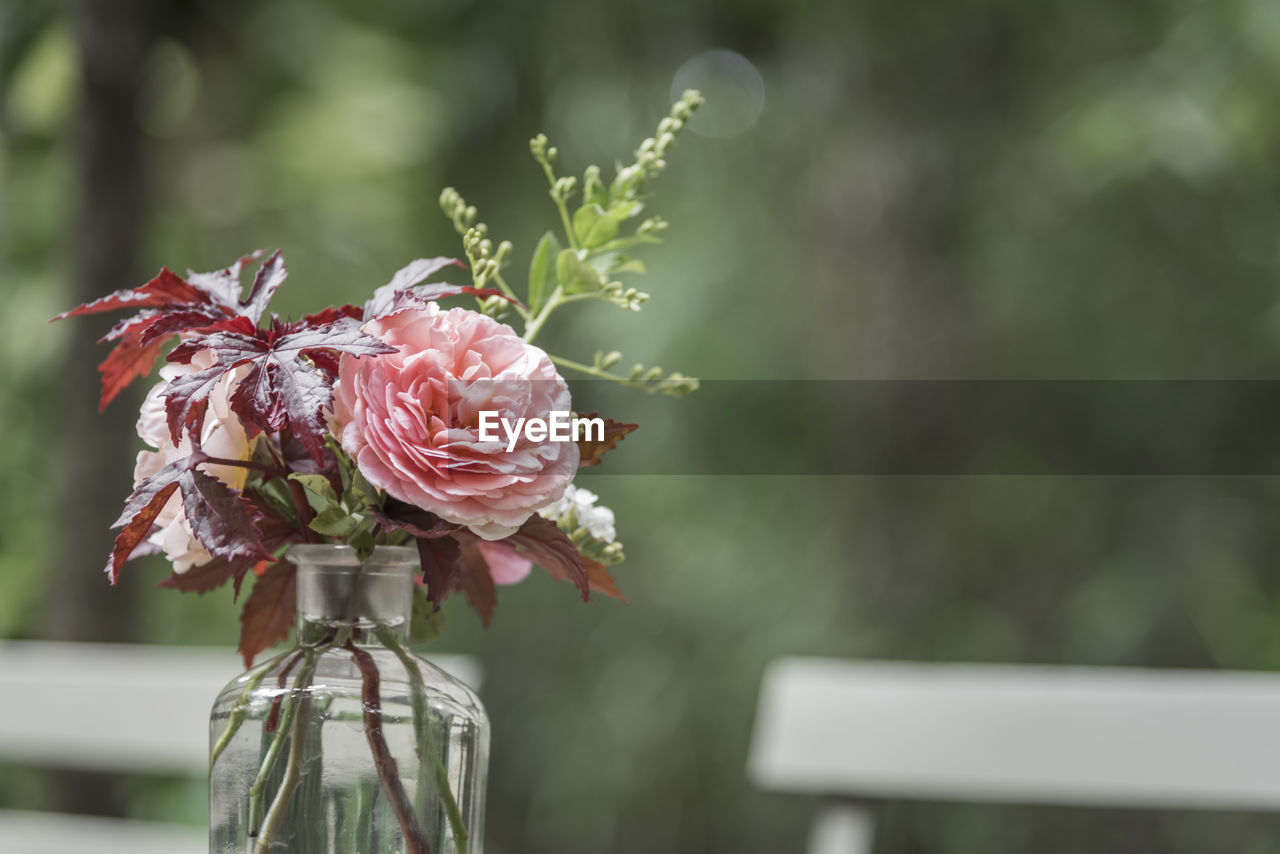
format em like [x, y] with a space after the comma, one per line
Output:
[732, 86]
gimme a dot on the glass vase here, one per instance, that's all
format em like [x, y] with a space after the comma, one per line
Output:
[348, 743]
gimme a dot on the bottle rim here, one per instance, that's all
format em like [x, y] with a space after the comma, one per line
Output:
[318, 555]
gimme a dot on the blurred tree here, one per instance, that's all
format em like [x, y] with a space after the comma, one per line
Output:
[106, 235]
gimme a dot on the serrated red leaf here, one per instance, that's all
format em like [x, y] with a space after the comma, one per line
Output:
[590, 452]
[270, 276]
[332, 314]
[128, 361]
[405, 291]
[223, 286]
[152, 324]
[184, 320]
[274, 530]
[169, 305]
[283, 387]
[139, 526]
[221, 520]
[208, 576]
[441, 562]
[383, 304]
[186, 400]
[542, 541]
[601, 581]
[166, 289]
[270, 610]
[475, 581]
[219, 517]
[398, 515]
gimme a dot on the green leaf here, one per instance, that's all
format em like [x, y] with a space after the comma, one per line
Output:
[540, 269]
[627, 264]
[576, 276]
[585, 219]
[344, 462]
[594, 226]
[361, 492]
[630, 241]
[335, 521]
[316, 484]
[364, 545]
[609, 263]
[428, 620]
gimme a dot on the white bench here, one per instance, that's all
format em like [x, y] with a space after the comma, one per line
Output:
[125, 708]
[1075, 736]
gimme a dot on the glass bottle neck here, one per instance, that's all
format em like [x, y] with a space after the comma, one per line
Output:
[339, 596]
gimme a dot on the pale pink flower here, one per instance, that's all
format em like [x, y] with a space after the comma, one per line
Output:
[410, 419]
[505, 566]
[222, 435]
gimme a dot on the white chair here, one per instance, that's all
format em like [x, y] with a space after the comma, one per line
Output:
[1078, 736]
[70, 705]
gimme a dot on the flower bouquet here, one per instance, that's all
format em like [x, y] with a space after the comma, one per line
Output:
[362, 464]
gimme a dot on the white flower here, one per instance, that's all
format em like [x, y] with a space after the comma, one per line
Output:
[577, 507]
[221, 436]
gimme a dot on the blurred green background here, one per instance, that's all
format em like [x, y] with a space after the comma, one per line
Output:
[881, 189]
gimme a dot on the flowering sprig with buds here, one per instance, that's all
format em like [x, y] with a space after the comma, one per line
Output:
[593, 252]
[359, 425]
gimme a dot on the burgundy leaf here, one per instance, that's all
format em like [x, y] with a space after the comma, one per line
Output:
[283, 387]
[128, 361]
[145, 492]
[542, 541]
[132, 325]
[475, 581]
[601, 581]
[441, 561]
[177, 321]
[219, 517]
[166, 289]
[419, 270]
[270, 610]
[274, 529]
[399, 515]
[297, 458]
[223, 286]
[326, 363]
[590, 451]
[139, 526]
[271, 275]
[187, 399]
[169, 305]
[404, 290]
[386, 303]
[209, 576]
[332, 314]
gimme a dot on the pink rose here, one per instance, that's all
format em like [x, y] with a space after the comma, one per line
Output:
[411, 419]
[222, 436]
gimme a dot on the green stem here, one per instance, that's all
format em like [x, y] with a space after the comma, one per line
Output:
[300, 684]
[305, 513]
[564, 209]
[422, 733]
[293, 771]
[532, 328]
[511, 295]
[237, 713]
[598, 374]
